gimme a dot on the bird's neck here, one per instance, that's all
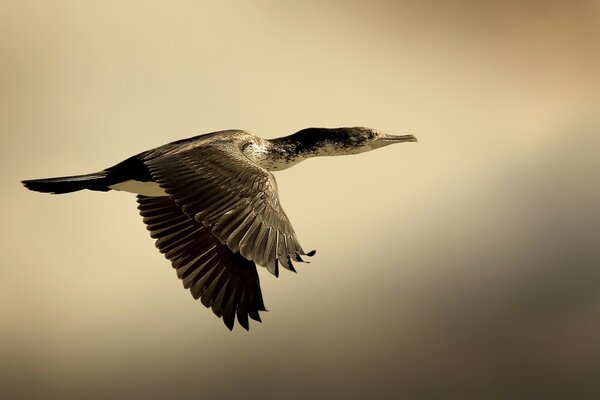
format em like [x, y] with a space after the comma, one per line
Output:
[285, 152]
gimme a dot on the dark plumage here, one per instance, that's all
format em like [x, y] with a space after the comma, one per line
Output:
[212, 206]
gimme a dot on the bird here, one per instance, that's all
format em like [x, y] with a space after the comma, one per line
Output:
[212, 205]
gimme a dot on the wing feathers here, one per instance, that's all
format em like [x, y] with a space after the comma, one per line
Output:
[221, 216]
[224, 281]
[222, 189]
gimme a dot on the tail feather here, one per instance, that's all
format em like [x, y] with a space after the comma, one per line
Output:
[67, 184]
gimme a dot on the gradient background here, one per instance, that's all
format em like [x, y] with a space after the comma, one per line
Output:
[465, 266]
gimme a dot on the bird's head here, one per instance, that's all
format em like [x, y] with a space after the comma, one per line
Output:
[342, 141]
[359, 139]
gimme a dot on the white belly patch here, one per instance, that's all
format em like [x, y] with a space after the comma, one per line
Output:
[151, 189]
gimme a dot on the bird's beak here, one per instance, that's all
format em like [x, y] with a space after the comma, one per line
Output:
[389, 139]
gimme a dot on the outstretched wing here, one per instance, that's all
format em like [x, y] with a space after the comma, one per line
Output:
[236, 199]
[223, 280]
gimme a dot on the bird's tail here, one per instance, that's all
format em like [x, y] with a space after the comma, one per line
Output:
[67, 184]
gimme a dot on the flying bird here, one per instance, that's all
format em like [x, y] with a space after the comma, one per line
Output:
[211, 203]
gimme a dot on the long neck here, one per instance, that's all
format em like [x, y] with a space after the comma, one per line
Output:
[284, 152]
[277, 154]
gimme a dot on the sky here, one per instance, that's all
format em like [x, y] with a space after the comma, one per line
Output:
[465, 266]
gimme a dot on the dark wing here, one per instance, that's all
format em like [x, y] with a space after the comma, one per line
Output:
[217, 185]
[224, 281]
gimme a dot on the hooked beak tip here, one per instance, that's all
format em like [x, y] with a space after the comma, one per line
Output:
[399, 138]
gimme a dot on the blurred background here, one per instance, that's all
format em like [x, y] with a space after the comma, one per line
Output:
[464, 266]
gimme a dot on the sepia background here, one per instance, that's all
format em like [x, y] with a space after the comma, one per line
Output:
[464, 266]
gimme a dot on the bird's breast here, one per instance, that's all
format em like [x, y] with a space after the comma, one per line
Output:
[271, 159]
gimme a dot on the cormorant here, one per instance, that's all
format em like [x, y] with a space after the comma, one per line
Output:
[211, 203]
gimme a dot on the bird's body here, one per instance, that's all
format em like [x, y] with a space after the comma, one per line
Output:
[212, 205]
